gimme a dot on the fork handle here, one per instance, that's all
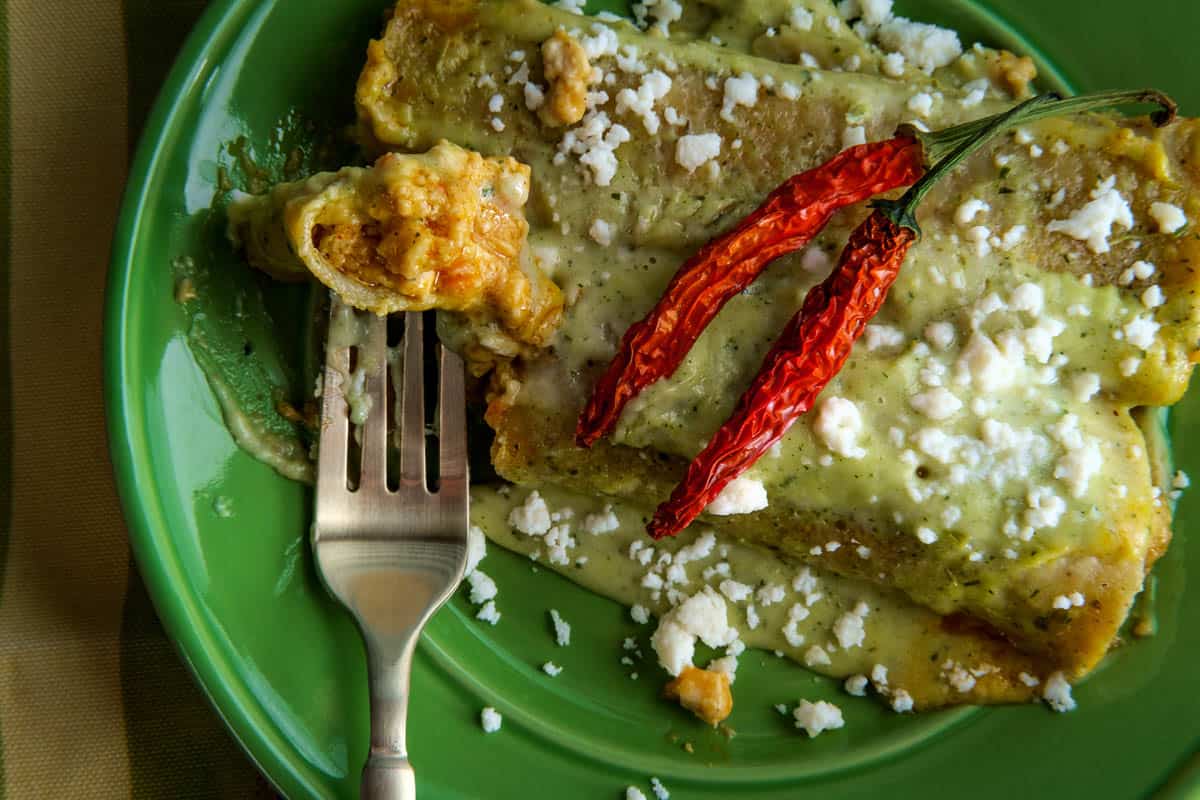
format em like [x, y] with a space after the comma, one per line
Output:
[388, 777]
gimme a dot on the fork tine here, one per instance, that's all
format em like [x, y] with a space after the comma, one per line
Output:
[452, 420]
[335, 421]
[372, 358]
[411, 424]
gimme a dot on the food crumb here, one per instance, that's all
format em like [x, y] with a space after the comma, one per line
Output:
[703, 692]
[223, 507]
[490, 720]
[562, 628]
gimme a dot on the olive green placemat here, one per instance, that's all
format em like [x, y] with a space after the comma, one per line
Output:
[94, 701]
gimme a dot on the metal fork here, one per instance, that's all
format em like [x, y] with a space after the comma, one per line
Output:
[391, 557]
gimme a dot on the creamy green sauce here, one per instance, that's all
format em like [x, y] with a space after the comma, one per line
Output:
[906, 639]
[916, 472]
[234, 341]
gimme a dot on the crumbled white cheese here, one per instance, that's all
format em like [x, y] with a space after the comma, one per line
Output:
[654, 87]
[602, 42]
[1039, 340]
[1141, 270]
[562, 628]
[1153, 297]
[741, 495]
[634, 793]
[815, 718]
[1140, 331]
[483, 588]
[551, 669]
[880, 336]
[816, 656]
[986, 366]
[1028, 297]
[853, 135]
[488, 613]
[856, 685]
[791, 629]
[740, 90]
[639, 614]
[1085, 386]
[595, 141]
[1078, 466]
[927, 535]
[939, 403]
[770, 594]
[902, 701]
[476, 548]
[601, 522]
[601, 232]
[893, 65]
[532, 517]
[573, 6]
[925, 46]
[534, 96]
[660, 791]
[849, 628]
[559, 541]
[703, 616]
[940, 334]
[875, 12]
[1094, 222]
[490, 720]
[967, 210]
[976, 91]
[1012, 237]
[805, 582]
[801, 18]
[663, 12]
[1045, 509]
[838, 425]
[1057, 693]
[1169, 218]
[958, 677]
[920, 104]
[735, 591]
[694, 150]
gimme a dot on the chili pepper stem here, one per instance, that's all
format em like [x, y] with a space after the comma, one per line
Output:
[971, 136]
[936, 145]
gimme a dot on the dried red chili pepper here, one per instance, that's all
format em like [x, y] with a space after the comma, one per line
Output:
[791, 216]
[818, 339]
[787, 220]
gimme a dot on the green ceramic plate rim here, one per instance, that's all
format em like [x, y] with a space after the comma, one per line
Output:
[179, 614]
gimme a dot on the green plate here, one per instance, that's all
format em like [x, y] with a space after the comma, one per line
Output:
[284, 666]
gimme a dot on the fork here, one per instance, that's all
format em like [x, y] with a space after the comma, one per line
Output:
[391, 557]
